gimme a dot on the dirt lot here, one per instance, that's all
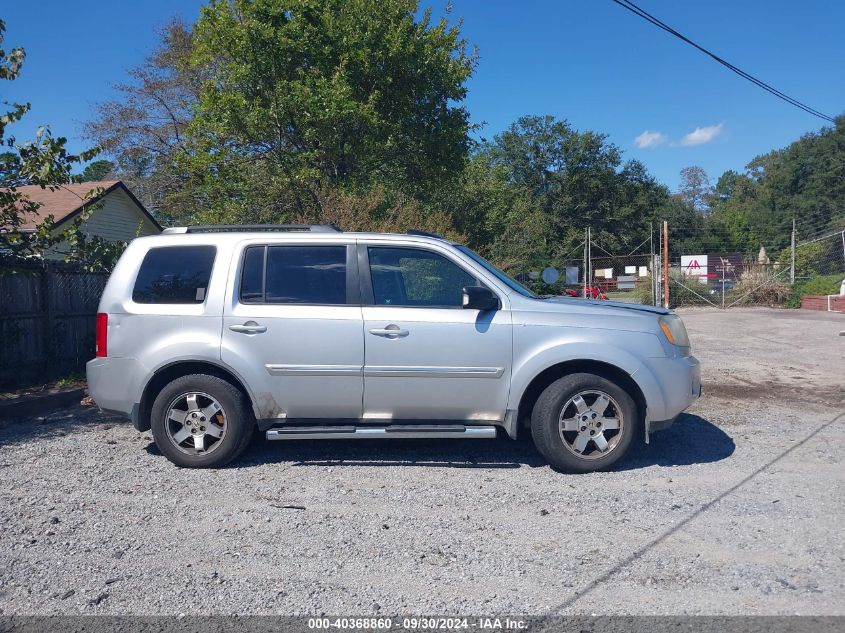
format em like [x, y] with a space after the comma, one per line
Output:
[738, 509]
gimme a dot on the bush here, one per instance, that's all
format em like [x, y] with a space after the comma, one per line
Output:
[643, 291]
[827, 285]
[691, 293]
[758, 291]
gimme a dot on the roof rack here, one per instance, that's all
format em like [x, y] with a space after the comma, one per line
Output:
[424, 234]
[248, 228]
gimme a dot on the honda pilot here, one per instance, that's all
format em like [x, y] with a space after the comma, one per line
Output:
[206, 335]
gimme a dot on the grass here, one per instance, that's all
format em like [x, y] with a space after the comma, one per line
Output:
[71, 380]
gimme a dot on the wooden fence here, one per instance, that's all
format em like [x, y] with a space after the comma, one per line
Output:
[47, 316]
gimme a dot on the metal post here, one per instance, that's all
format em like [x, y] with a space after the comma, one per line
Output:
[589, 258]
[651, 261]
[665, 264]
[658, 270]
[843, 245]
[792, 259]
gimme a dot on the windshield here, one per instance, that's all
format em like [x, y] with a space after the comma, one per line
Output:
[511, 283]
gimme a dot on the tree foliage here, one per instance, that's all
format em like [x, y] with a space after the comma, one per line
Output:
[578, 179]
[143, 128]
[804, 181]
[98, 170]
[314, 94]
[695, 188]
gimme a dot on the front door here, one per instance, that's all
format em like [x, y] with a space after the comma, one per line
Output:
[293, 330]
[425, 356]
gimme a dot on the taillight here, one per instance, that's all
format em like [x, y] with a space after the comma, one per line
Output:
[101, 336]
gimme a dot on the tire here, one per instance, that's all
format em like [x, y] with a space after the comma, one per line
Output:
[559, 417]
[204, 405]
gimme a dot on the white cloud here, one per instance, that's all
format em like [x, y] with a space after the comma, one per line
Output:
[701, 135]
[650, 139]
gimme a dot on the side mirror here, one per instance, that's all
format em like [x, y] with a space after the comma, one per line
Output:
[479, 298]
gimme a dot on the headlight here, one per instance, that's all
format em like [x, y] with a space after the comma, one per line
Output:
[674, 330]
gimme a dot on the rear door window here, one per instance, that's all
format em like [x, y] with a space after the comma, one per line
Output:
[294, 274]
[174, 274]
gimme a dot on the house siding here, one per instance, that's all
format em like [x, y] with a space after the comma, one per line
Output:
[118, 218]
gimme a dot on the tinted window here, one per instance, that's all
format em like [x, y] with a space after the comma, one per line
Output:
[252, 278]
[174, 274]
[306, 274]
[413, 277]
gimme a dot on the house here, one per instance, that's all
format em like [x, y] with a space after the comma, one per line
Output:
[117, 214]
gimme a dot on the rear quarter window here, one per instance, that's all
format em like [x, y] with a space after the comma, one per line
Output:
[174, 274]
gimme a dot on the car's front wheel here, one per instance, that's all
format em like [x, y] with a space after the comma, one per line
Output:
[201, 421]
[584, 422]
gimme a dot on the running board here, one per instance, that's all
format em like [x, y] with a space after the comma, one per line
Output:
[394, 431]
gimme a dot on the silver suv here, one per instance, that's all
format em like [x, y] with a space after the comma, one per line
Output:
[206, 334]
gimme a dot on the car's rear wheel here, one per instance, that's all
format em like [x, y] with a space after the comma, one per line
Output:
[584, 422]
[201, 421]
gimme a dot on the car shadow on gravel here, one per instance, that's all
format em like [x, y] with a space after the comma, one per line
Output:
[434, 453]
[691, 440]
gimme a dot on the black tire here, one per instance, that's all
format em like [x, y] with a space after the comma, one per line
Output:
[239, 421]
[550, 439]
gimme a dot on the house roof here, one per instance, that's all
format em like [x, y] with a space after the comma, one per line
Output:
[68, 200]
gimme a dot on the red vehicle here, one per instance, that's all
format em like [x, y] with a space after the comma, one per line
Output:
[590, 292]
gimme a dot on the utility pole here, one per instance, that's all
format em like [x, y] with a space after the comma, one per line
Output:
[586, 259]
[792, 259]
[665, 264]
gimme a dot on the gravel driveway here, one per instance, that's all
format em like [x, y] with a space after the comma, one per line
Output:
[738, 509]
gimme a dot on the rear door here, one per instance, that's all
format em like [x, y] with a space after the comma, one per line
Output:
[427, 357]
[292, 328]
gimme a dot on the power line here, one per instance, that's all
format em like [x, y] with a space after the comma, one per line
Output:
[630, 6]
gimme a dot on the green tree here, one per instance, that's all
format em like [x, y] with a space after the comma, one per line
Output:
[578, 179]
[315, 94]
[494, 215]
[98, 170]
[804, 181]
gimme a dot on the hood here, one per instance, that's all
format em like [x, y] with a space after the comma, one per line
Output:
[604, 304]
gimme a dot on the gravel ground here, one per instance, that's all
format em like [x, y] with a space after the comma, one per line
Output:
[738, 509]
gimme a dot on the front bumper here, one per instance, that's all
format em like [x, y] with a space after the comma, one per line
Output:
[662, 425]
[680, 385]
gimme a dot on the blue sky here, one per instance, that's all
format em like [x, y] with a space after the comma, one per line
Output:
[588, 61]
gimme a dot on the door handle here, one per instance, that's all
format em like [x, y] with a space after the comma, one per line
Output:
[391, 331]
[250, 327]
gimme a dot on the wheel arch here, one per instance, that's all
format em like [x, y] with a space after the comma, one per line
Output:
[614, 373]
[176, 369]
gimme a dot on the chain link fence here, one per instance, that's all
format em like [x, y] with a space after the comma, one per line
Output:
[47, 317]
[812, 267]
[699, 272]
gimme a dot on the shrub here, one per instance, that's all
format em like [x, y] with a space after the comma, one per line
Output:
[643, 291]
[757, 291]
[691, 293]
[827, 285]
